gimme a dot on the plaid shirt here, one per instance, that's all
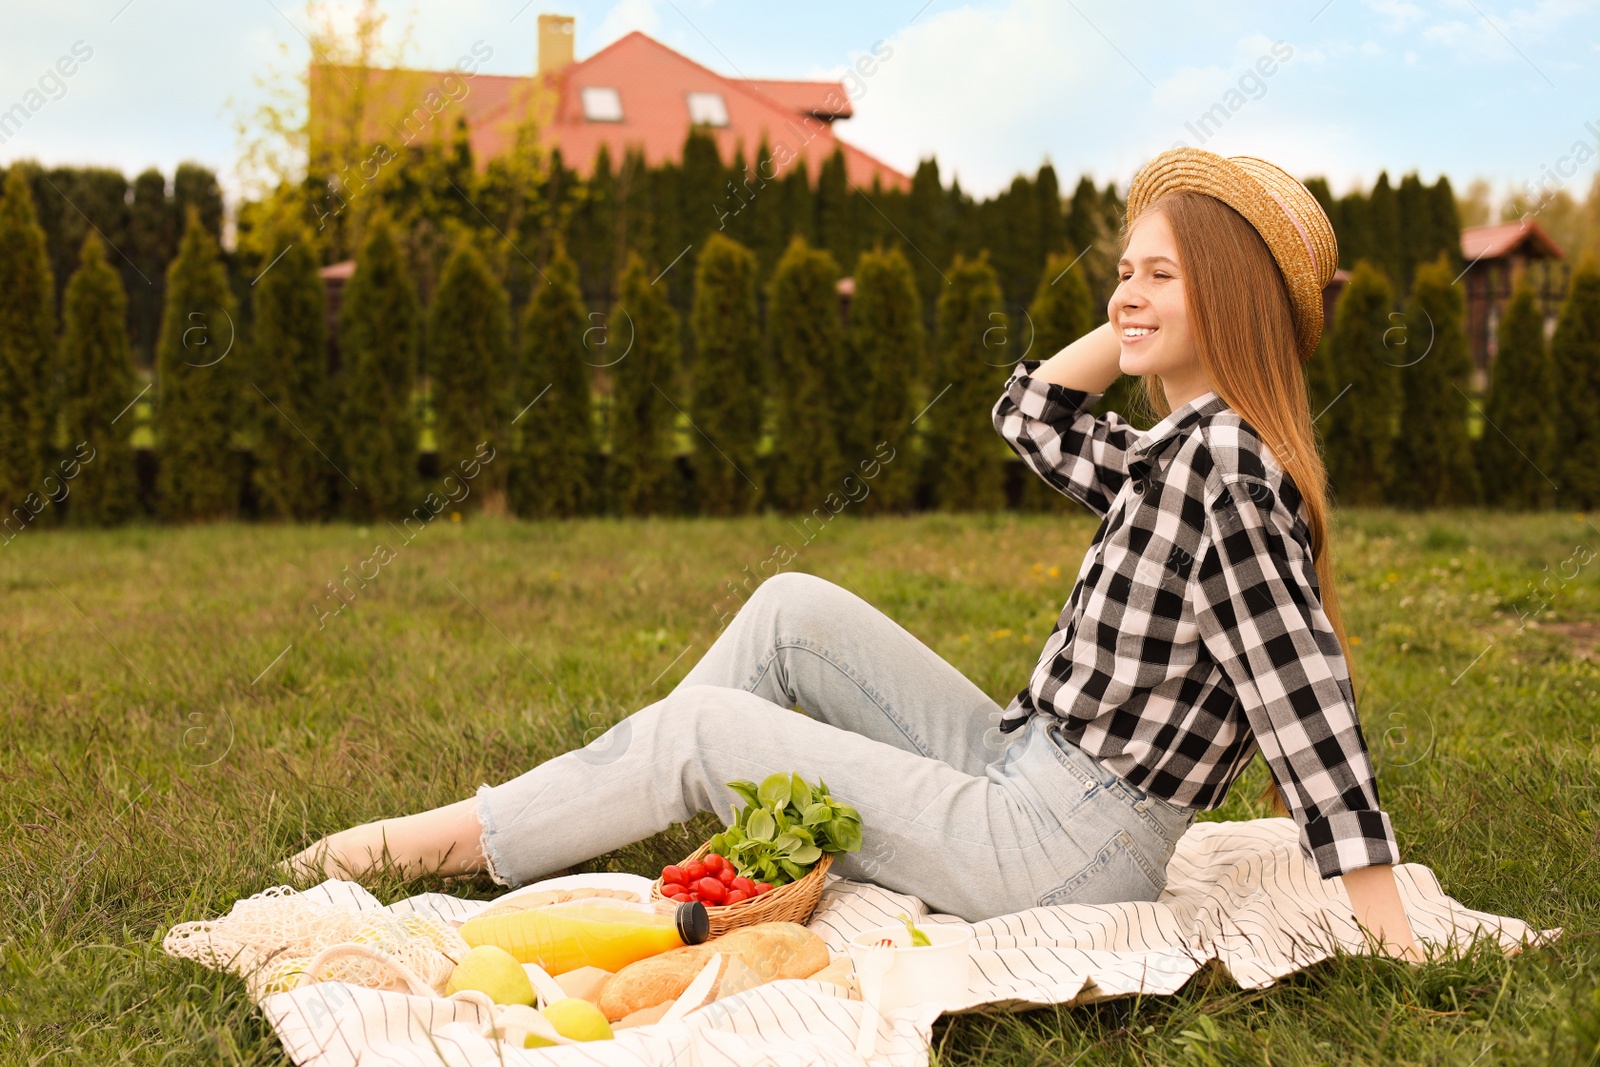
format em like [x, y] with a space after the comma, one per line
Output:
[1195, 631]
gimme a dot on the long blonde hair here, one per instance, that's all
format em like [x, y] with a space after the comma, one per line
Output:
[1243, 331]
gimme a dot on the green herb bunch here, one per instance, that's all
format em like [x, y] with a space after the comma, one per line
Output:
[785, 827]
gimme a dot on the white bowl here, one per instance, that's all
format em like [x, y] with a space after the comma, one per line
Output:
[940, 972]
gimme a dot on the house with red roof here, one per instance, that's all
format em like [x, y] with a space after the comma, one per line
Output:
[1496, 257]
[634, 93]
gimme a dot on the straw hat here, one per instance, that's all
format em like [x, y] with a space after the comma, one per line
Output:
[1281, 209]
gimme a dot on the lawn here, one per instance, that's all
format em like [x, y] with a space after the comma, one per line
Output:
[182, 707]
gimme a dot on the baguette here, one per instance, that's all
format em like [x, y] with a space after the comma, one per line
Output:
[773, 950]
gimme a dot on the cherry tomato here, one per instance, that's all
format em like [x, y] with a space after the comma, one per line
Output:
[672, 889]
[743, 885]
[727, 875]
[695, 871]
[763, 887]
[683, 898]
[735, 896]
[714, 863]
[712, 891]
[674, 875]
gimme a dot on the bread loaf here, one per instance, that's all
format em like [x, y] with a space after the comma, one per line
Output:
[773, 950]
[546, 897]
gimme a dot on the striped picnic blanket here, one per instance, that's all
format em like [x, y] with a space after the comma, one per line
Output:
[1239, 893]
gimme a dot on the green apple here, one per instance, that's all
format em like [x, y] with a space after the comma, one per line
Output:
[494, 972]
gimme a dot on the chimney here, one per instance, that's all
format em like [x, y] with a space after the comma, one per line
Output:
[555, 43]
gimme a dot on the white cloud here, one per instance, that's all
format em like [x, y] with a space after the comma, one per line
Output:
[1030, 72]
[1398, 15]
[627, 16]
[1476, 35]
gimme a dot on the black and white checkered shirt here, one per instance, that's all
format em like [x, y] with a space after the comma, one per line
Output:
[1195, 631]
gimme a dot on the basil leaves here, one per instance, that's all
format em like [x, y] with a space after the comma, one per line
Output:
[785, 827]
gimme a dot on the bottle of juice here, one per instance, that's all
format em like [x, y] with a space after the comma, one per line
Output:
[609, 934]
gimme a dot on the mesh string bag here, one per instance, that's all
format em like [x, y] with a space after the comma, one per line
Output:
[278, 940]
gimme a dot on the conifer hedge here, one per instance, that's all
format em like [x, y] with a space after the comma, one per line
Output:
[1358, 424]
[1516, 452]
[469, 354]
[1575, 357]
[98, 387]
[289, 381]
[380, 323]
[27, 337]
[197, 406]
[1433, 455]
[887, 344]
[1063, 310]
[1383, 232]
[726, 399]
[965, 466]
[644, 397]
[806, 340]
[553, 463]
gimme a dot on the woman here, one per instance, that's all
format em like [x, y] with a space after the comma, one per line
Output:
[1202, 626]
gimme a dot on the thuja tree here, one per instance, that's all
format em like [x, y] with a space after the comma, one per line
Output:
[806, 340]
[1383, 230]
[1575, 355]
[1433, 463]
[380, 322]
[288, 394]
[97, 386]
[469, 354]
[726, 399]
[1061, 312]
[1062, 309]
[644, 409]
[1517, 447]
[552, 466]
[197, 405]
[1358, 424]
[887, 341]
[27, 333]
[965, 468]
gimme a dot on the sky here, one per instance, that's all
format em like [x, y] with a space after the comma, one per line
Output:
[1468, 88]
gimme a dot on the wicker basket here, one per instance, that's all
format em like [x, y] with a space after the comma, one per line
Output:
[791, 902]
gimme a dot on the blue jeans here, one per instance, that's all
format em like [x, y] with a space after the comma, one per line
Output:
[974, 822]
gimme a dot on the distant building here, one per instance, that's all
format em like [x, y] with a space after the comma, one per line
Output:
[635, 92]
[1496, 256]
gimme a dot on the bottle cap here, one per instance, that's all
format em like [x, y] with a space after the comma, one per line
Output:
[694, 922]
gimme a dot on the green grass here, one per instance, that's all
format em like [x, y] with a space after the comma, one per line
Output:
[156, 758]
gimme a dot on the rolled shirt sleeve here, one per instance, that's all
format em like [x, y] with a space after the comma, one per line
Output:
[1259, 611]
[1050, 426]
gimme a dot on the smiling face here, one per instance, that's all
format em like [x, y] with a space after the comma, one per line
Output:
[1150, 311]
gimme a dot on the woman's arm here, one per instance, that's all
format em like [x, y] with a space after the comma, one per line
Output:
[1044, 416]
[1376, 902]
[1090, 363]
[1259, 612]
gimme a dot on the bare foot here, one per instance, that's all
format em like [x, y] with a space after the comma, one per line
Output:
[443, 841]
[348, 854]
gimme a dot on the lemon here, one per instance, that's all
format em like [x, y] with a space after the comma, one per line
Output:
[576, 1018]
[427, 928]
[283, 976]
[493, 972]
